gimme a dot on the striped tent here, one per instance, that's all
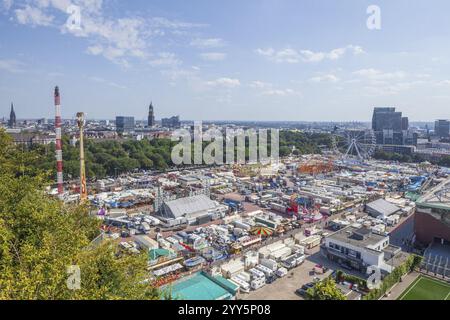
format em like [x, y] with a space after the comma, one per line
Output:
[262, 231]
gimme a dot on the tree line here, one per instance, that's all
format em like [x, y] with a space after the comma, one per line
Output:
[109, 158]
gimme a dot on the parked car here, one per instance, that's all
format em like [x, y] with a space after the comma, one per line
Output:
[301, 292]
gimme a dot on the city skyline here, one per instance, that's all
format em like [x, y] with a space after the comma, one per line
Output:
[262, 61]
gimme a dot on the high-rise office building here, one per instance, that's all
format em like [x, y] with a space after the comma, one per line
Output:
[442, 128]
[124, 124]
[391, 128]
[12, 118]
[405, 123]
[172, 122]
[386, 118]
[151, 116]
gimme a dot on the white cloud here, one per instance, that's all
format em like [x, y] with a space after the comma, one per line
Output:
[289, 55]
[33, 16]
[281, 92]
[325, 78]
[224, 83]
[109, 83]
[173, 24]
[117, 39]
[268, 89]
[260, 85]
[286, 55]
[213, 56]
[444, 83]
[208, 43]
[11, 65]
[7, 4]
[374, 74]
[165, 59]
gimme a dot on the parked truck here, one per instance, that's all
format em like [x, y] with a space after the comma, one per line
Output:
[269, 263]
[258, 283]
[267, 272]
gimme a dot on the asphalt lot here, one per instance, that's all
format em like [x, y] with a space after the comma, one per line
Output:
[284, 288]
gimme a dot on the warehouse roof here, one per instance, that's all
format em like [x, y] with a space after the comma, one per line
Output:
[383, 207]
[352, 236]
[190, 205]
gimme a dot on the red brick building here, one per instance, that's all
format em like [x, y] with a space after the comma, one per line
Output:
[432, 218]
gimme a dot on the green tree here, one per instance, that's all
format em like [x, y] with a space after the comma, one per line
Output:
[326, 290]
[40, 237]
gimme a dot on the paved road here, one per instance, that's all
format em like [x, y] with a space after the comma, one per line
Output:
[400, 287]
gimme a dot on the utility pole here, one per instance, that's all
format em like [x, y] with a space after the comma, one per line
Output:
[83, 190]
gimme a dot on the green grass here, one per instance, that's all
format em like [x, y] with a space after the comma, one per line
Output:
[425, 288]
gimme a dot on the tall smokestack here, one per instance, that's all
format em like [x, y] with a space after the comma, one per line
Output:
[59, 162]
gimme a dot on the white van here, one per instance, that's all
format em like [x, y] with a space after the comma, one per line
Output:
[281, 272]
[258, 283]
[268, 272]
[243, 286]
[257, 274]
[145, 227]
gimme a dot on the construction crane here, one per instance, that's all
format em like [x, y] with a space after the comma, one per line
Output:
[83, 190]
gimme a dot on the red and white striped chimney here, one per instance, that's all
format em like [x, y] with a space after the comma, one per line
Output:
[59, 161]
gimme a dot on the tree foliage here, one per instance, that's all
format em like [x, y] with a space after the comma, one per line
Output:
[113, 157]
[326, 290]
[40, 237]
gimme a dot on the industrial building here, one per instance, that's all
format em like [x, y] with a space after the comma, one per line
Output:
[194, 209]
[381, 209]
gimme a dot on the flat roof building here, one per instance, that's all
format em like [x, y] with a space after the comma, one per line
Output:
[193, 208]
[381, 208]
[359, 248]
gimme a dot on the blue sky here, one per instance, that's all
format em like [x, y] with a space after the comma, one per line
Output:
[230, 60]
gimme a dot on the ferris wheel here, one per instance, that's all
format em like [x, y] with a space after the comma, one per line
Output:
[354, 144]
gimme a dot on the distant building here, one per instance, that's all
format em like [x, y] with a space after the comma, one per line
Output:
[42, 121]
[30, 139]
[391, 128]
[172, 122]
[124, 124]
[386, 118]
[401, 149]
[151, 116]
[405, 123]
[12, 118]
[442, 128]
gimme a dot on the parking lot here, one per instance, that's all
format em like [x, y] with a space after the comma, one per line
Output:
[284, 288]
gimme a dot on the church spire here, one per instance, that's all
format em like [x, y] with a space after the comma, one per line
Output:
[151, 115]
[12, 117]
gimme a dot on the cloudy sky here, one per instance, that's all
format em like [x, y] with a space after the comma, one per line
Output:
[230, 60]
